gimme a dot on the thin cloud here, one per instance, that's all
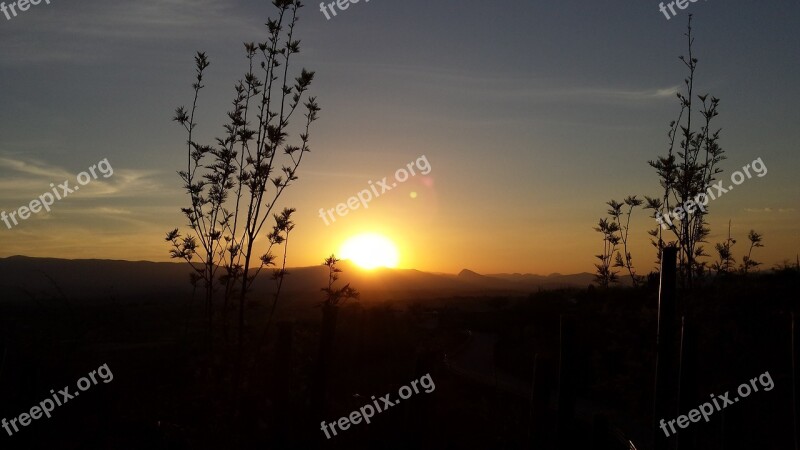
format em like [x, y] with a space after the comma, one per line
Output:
[516, 87]
[623, 94]
[758, 210]
[25, 178]
[769, 210]
[33, 167]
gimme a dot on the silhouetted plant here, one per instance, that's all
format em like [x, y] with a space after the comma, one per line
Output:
[686, 172]
[656, 234]
[616, 213]
[747, 261]
[605, 274]
[232, 195]
[336, 296]
[726, 262]
[207, 192]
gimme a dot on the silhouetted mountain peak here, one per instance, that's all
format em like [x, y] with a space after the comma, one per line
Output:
[466, 273]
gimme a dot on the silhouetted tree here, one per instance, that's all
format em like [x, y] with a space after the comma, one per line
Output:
[687, 172]
[235, 184]
[207, 193]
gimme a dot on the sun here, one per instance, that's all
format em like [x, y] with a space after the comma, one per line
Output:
[370, 251]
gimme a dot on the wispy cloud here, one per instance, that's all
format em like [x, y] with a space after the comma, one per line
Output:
[25, 178]
[769, 210]
[504, 87]
[33, 167]
[621, 94]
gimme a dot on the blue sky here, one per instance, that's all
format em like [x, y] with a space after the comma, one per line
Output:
[532, 114]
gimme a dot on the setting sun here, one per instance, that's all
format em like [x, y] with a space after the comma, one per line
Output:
[370, 251]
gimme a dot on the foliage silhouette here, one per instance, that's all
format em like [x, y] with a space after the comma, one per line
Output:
[606, 275]
[686, 172]
[616, 213]
[235, 184]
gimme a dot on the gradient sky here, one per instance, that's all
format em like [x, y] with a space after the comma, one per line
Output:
[532, 114]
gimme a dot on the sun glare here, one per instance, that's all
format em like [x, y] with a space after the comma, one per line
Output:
[370, 251]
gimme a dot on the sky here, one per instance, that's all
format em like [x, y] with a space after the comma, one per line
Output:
[531, 115]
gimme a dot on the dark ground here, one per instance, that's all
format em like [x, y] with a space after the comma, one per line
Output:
[171, 390]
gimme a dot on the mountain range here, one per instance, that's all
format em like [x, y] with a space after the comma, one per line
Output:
[24, 277]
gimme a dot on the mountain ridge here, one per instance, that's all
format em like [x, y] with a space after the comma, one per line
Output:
[25, 276]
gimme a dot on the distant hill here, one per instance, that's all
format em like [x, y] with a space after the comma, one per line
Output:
[92, 279]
